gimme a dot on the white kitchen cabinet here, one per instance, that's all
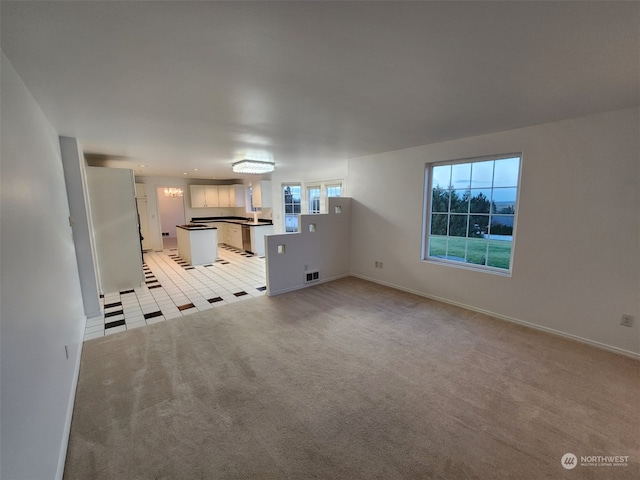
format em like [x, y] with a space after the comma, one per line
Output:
[204, 196]
[234, 237]
[197, 196]
[223, 196]
[211, 196]
[236, 195]
[197, 246]
[222, 230]
[261, 192]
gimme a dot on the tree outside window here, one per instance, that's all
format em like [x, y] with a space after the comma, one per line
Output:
[471, 211]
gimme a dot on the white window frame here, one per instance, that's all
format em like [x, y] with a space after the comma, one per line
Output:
[427, 216]
[333, 185]
[309, 188]
[249, 200]
[284, 207]
[323, 185]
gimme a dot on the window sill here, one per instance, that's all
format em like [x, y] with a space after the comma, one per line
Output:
[468, 266]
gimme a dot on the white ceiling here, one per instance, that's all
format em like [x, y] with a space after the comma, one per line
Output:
[185, 85]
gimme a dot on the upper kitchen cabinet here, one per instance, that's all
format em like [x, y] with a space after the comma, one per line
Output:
[223, 196]
[217, 196]
[236, 195]
[197, 196]
[231, 195]
[204, 196]
[261, 193]
[211, 197]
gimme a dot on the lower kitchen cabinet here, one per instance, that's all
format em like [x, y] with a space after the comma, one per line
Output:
[234, 237]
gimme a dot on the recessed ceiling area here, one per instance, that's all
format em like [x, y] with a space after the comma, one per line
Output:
[180, 86]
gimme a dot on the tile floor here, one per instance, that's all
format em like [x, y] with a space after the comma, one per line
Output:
[174, 288]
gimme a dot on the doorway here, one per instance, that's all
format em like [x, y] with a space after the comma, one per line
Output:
[170, 213]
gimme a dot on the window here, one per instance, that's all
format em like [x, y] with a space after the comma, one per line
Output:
[334, 190]
[313, 199]
[471, 212]
[292, 208]
[250, 202]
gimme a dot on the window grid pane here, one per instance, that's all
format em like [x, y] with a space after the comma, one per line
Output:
[471, 208]
[333, 190]
[313, 199]
[291, 205]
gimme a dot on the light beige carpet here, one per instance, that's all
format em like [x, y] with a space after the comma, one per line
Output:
[349, 380]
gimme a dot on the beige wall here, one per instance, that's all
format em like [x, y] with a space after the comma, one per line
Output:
[324, 249]
[576, 267]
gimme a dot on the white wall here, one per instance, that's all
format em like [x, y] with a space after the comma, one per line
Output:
[326, 250]
[171, 211]
[75, 179]
[41, 301]
[577, 258]
[115, 228]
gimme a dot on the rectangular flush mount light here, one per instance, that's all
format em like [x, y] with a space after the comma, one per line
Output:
[253, 166]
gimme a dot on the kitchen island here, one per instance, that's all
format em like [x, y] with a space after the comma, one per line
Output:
[230, 232]
[197, 243]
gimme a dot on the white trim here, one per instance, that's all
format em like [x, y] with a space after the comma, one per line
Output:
[72, 398]
[317, 187]
[306, 285]
[284, 185]
[593, 343]
[427, 213]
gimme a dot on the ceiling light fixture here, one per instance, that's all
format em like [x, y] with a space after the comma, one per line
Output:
[253, 166]
[173, 192]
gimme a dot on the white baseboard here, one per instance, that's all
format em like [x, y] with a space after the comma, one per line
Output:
[560, 333]
[72, 398]
[305, 285]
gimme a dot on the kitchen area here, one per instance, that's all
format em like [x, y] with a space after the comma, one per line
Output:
[217, 256]
[241, 213]
[198, 241]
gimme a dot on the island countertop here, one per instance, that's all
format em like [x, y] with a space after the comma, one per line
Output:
[197, 245]
[196, 226]
[234, 220]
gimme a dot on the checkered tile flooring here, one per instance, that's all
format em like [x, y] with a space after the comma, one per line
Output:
[174, 288]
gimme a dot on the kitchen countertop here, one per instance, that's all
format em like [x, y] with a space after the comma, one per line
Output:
[234, 220]
[192, 226]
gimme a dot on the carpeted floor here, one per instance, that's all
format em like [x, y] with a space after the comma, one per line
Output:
[349, 380]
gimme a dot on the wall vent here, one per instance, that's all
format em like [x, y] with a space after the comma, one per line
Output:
[311, 276]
